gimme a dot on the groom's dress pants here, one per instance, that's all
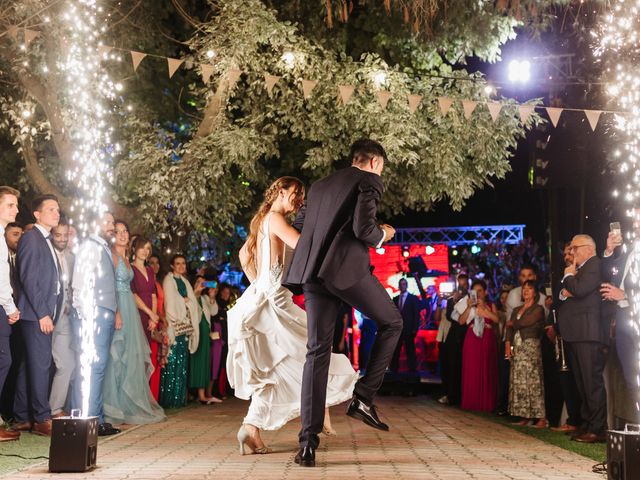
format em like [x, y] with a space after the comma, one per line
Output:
[322, 304]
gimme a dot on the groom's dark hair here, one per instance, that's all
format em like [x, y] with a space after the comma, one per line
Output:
[362, 150]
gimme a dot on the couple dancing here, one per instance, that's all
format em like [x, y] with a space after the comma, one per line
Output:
[268, 361]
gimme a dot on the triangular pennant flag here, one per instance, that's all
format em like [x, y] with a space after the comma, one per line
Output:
[307, 87]
[445, 104]
[233, 75]
[13, 31]
[346, 92]
[173, 64]
[554, 115]
[494, 109]
[104, 50]
[271, 81]
[414, 101]
[468, 106]
[207, 71]
[30, 35]
[593, 116]
[525, 112]
[136, 58]
[383, 98]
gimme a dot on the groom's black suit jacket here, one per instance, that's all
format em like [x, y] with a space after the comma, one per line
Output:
[337, 225]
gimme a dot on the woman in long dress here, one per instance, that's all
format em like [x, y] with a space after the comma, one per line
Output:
[479, 351]
[127, 396]
[526, 388]
[268, 332]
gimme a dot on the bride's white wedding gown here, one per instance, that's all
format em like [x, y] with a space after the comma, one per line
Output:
[267, 347]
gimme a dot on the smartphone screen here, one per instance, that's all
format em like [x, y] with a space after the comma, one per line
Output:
[474, 297]
[615, 228]
[210, 284]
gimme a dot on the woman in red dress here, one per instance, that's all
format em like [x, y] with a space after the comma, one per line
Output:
[143, 286]
[480, 350]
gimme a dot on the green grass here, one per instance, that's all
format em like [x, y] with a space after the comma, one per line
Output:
[29, 446]
[594, 451]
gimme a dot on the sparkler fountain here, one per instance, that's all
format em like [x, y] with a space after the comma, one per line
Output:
[90, 91]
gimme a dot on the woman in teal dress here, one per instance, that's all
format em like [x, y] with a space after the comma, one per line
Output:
[127, 396]
[183, 318]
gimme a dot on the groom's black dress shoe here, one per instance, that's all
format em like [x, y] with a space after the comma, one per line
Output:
[105, 429]
[367, 413]
[306, 457]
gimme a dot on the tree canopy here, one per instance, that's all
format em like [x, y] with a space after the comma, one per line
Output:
[195, 156]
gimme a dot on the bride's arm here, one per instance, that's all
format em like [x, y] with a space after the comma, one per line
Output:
[248, 269]
[285, 232]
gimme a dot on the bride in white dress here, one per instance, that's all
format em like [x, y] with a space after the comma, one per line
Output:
[268, 332]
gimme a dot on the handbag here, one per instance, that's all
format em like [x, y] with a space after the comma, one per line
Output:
[184, 328]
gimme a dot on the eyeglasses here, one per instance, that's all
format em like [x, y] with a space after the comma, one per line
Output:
[575, 247]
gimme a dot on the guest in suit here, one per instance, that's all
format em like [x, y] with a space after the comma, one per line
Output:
[453, 346]
[586, 336]
[331, 265]
[9, 313]
[12, 234]
[94, 260]
[616, 267]
[40, 303]
[409, 307]
[64, 340]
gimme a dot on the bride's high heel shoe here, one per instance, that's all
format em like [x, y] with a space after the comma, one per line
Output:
[243, 440]
[329, 431]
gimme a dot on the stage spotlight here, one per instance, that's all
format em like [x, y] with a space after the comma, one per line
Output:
[429, 250]
[519, 71]
[475, 249]
[380, 251]
[405, 252]
[454, 252]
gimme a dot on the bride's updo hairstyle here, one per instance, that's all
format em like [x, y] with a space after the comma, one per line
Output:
[270, 196]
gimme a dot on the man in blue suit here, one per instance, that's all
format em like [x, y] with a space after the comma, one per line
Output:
[39, 304]
[9, 314]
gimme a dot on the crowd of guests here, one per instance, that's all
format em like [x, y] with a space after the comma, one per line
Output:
[158, 339]
[529, 355]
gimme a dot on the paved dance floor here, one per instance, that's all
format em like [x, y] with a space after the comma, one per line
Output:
[426, 441]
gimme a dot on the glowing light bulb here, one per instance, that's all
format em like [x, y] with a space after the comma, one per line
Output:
[379, 79]
[210, 54]
[289, 59]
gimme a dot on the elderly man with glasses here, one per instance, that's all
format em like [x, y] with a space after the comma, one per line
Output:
[586, 336]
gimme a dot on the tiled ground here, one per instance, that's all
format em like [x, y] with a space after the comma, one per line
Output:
[426, 441]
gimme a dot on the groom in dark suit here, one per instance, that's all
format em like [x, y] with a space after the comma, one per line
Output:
[331, 265]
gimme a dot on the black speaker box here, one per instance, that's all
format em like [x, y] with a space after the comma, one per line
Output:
[74, 444]
[623, 454]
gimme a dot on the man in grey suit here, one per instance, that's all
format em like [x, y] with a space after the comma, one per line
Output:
[63, 349]
[94, 260]
[585, 335]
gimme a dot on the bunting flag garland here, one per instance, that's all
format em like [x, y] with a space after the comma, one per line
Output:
[233, 76]
[346, 92]
[307, 88]
[173, 64]
[525, 112]
[271, 81]
[414, 102]
[554, 114]
[104, 50]
[136, 58]
[30, 35]
[383, 98]
[13, 31]
[593, 116]
[207, 71]
[468, 106]
[494, 109]
[445, 104]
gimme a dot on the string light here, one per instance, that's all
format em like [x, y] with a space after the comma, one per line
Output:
[619, 42]
[90, 90]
